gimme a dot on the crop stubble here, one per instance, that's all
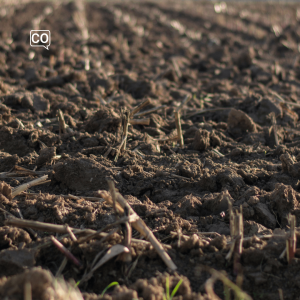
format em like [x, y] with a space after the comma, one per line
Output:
[186, 108]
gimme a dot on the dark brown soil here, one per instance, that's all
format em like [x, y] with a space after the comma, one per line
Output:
[240, 65]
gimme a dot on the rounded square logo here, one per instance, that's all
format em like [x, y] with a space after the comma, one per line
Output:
[40, 38]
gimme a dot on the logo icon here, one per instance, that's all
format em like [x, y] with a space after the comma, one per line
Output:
[40, 38]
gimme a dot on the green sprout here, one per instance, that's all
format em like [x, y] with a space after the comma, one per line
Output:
[109, 286]
[167, 295]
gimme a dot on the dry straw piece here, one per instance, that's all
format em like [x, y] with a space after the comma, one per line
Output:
[203, 111]
[149, 111]
[140, 226]
[69, 196]
[291, 239]
[122, 146]
[274, 126]
[280, 292]
[23, 187]
[107, 151]
[65, 252]
[178, 126]
[112, 252]
[62, 123]
[27, 291]
[228, 286]
[168, 139]
[237, 235]
[127, 230]
[61, 267]
[186, 99]
[176, 67]
[145, 121]
[48, 227]
[178, 120]
[139, 107]
[21, 171]
[125, 130]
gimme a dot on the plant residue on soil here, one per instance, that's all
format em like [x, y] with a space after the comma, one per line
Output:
[216, 140]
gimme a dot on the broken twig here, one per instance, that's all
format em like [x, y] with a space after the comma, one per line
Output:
[168, 139]
[62, 123]
[112, 252]
[184, 102]
[23, 187]
[226, 282]
[27, 291]
[178, 126]
[140, 226]
[206, 110]
[176, 67]
[48, 227]
[274, 128]
[291, 240]
[149, 111]
[237, 235]
[65, 252]
[145, 121]
[125, 130]
[139, 107]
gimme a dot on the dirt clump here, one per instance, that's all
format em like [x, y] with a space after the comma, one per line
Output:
[201, 140]
[83, 174]
[284, 200]
[103, 120]
[188, 206]
[240, 123]
[43, 286]
[46, 155]
[12, 237]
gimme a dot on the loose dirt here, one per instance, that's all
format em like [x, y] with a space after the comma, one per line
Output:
[238, 64]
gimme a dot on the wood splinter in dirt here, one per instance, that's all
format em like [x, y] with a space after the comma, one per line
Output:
[20, 171]
[274, 125]
[176, 67]
[145, 121]
[27, 291]
[140, 226]
[65, 260]
[62, 123]
[178, 126]
[123, 251]
[122, 146]
[65, 251]
[280, 292]
[291, 240]
[186, 99]
[167, 139]
[69, 196]
[107, 151]
[23, 187]
[72, 235]
[111, 253]
[206, 110]
[48, 227]
[126, 257]
[160, 173]
[178, 120]
[237, 234]
[139, 107]
[228, 286]
[149, 111]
